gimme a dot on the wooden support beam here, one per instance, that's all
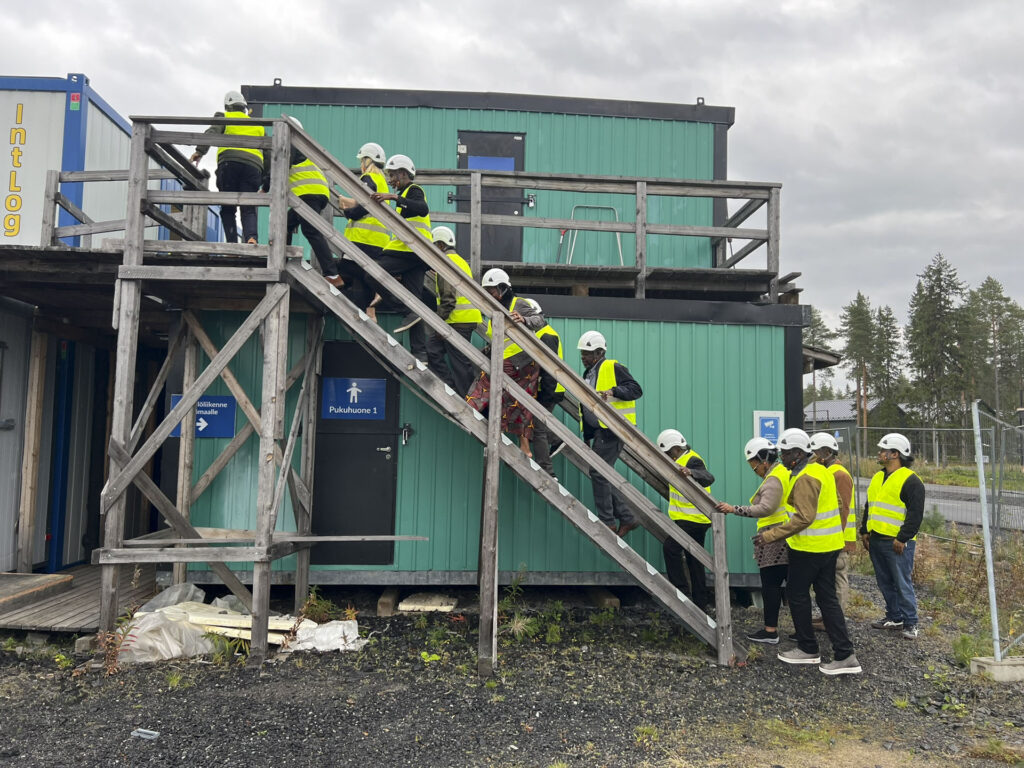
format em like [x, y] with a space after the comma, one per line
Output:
[214, 556]
[279, 169]
[93, 228]
[113, 175]
[723, 609]
[208, 274]
[185, 139]
[47, 238]
[171, 222]
[154, 392]
[304, 513]
[187, 442]
[183, 197]
[475, 217]
[774, 217]
[742, 253]
[641, 239]
[34, 396]
[487, 650]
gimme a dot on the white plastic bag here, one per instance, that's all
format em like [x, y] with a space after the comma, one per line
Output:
[158, 636]
[179, 593]
[332, 636]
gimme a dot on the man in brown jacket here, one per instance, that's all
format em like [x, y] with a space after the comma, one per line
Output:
[826, 452]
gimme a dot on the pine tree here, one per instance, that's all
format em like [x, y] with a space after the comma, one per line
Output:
[857, 328]
[819, 335]
[994, 314]
[886, 363]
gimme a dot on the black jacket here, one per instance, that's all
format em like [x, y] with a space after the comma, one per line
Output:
[627, 388]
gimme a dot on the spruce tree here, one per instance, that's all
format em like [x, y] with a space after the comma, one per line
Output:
[857, 328]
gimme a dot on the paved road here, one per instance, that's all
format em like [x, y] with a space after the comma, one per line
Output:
[961, 505]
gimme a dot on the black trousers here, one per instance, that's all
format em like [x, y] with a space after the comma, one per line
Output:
[694, 583]
[772, 579]
[541, 443]
[357, 289]
[317, 241]
[233, 176]
[405, 265]
[817, 569]
[448, 363]
[609, 506]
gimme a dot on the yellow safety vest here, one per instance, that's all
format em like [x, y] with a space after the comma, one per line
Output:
[511, 348]
[825, 533]
[241, 130]
[306, 179]
[678, 505]
[464, 311]
[422, 224]
[886, 510]
[368, 229]
[606, 380]
[780, 515]
[850, 531]
[547, 330]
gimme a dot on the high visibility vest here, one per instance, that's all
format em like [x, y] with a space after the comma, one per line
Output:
[422, 224]
[547, 330]
[850, 531]
[606, 380]
[825, 533]
[886, 510]
[241, 130]
[679, 508]
[511, 348]
[464, 311]
[368, 229]
[306, 179]
[779, 515]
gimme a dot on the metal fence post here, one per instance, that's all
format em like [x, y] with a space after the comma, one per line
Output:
[986, 534]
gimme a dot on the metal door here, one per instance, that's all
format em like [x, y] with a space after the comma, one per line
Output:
[356, 457]
[491, 151]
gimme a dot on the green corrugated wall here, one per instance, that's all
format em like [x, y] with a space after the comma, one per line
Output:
[582, 144]
[705, 380]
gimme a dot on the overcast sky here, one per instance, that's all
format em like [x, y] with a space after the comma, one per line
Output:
[894, 127]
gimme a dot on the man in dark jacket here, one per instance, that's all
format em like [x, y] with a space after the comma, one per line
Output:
[549, 394]
[616, 385]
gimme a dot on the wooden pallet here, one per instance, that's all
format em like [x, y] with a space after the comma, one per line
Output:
[78, 609]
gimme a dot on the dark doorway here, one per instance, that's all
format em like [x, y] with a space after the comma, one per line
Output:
[489, 151]
[356, 457]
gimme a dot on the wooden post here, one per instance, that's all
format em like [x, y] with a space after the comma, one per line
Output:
[723, 609]
[304, 519]
[487, 653]
[124, 377]
[49, 209]
[30, 459]
[279, 156]
[274, 326]
[774, 217]
[475, 227]
[186, 446]
[641, 239]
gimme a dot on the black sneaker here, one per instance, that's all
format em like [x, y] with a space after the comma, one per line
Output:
[408, 322]
[885, 623]
[764, 636]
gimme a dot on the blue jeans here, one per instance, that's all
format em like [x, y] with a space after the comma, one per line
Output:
[892, 574]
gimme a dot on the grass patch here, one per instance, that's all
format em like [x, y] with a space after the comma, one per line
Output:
[318, 608]
[997, 751]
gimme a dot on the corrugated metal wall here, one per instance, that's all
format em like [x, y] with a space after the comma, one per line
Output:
[582, 144]
[15, 336]
[106, 147]
[79, 454]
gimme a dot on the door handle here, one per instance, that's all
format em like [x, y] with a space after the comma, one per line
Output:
[407, 432]
[385, 449]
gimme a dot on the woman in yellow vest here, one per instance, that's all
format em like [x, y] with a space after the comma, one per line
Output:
[238, 169]
[686, 516]
[549, 394]
[364, 229]
[615, 384]
[767, 505]
[444, 359]
[892, 517]
[814, 533]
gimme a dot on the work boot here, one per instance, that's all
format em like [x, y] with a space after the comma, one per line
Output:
[625, 528]
[847, 666]
[796, 656]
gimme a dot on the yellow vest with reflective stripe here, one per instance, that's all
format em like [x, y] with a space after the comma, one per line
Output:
[464, 311]
[850, 531]
[241, 130]
[606, 380]
[547, 330]
[825, 533]
[422, 224]
[307, 179]
[368, 229]
[679, 508]
[779, 515]
[511, 348]
[886, 510]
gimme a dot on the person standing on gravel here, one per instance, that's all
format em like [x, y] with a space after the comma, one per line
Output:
[826, 452]
[814, 533]
[892, 517]
[768, 507]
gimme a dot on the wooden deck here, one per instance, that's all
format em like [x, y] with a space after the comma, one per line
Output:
[78, 609]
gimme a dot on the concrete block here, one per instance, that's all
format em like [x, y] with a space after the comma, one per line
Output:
[386, 602]
[600, 597]
[85, 645]
[37, 638]
[428, 602]
[1008, 670]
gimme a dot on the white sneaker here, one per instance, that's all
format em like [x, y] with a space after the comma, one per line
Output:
[911, 632]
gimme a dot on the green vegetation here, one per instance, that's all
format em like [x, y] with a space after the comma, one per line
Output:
[228, 650]
[319, 609]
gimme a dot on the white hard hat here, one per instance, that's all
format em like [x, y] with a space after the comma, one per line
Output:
[670, 438]
[535, 304]
[294, 121]
[590, 341]
[794, 438]
[824, 440]
[757, 445]
[400, 161]
[373, 151]
[234, 99]
[894, 441]
[443, 235]
[494, 277]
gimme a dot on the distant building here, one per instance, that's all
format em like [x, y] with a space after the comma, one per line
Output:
[842, 414]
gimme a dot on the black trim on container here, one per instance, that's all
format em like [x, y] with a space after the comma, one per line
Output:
[675, 311]
[258, 95]
[794, 382]
[720, 207]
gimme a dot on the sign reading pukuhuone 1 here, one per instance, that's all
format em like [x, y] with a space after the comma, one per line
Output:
[347, 398]
[215, 416]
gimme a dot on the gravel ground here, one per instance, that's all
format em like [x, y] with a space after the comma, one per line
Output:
[590, 688]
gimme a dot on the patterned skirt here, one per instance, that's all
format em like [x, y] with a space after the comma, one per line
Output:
[515, 418]
[773, 553]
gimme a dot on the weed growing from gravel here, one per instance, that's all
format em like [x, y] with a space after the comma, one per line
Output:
[656, 632]
[429, 658]
[63, 661]
[420, 622]
[966, 647]
[227, 649]
[901, 702]
[646, 735]
[997, 751]
[603, 618]
[173, 679]
[523, 627]
[10, 644]
[317, 608]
